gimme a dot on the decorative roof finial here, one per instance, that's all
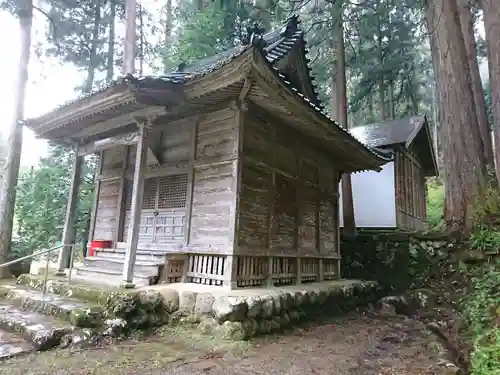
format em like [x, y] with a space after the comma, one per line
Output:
[181, 67]
[255, 36]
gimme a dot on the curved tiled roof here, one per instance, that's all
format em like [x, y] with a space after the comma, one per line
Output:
[322, 112]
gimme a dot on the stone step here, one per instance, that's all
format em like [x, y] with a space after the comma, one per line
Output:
[116, 264]
[13, 345]
[41, 331]
[141, 255]
[78, 313]
[111, 277]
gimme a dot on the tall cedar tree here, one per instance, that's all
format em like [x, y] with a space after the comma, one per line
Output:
[467, 25]
[339, 101]
[464, 168]
[491, 17]
[15, 142]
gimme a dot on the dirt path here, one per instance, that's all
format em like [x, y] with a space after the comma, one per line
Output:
[356, 345]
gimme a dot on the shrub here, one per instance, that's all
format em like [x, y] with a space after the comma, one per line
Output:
[435, 203]
[481, 308]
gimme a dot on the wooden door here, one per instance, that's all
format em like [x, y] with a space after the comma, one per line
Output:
[163, 216]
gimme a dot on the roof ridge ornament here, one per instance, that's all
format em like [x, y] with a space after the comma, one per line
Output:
[290, 26]
[255, 36]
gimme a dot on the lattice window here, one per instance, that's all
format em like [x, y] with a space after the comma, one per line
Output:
[150, 194]
[128, 191]
[161, 193]
[173, 191]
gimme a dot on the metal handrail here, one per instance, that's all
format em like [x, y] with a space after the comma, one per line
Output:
[31, 255]
[46, 276]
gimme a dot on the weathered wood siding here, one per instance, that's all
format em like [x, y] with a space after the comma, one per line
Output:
[165, 201]
[410, 191]
[288, 199]
[189, 200]
[107, 204]
[214, 176]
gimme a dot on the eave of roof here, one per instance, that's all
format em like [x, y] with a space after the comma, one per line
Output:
[374, 158]
[124, 90]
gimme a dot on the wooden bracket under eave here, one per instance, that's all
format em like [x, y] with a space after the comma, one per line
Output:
[240, 104]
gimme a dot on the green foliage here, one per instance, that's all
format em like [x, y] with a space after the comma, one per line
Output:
[486, 209]
[42, 198]
[435, 203]
[481, 308]
[485, 240]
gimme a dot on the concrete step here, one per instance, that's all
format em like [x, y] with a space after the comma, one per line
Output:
[116, 264]
[111, 277]
[41, 331]
[13, 345]
[78, 313]
[141, 255]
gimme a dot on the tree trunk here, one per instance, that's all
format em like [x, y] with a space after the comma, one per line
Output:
[168, 31]
[464, 169]
[111, 42]
[437, 109]
[370, 108]
[15, 141]
[130, 37]
[392, 109]
[491, 17]
[381, 94]
[467, 26]
[89, 82]
[341, 109]
[141, 40]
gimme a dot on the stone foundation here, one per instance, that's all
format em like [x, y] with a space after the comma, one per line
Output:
[241, 314]
[123, 309]
[232, 314]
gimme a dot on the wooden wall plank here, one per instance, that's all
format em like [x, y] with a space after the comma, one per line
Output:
[287, 175]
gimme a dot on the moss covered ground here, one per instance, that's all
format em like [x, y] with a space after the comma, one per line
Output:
[361, 343]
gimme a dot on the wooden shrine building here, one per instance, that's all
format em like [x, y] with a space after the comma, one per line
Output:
[228, 167]
[395, 198]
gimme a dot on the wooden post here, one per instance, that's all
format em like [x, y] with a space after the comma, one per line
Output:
[122, 197]
[229, 281]
[136, 208]
[95, 201]
[68, 237]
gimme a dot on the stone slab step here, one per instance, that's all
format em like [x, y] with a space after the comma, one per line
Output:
[141, 255]
[41, 331]
[111, 277]
[144, 267]
[13, 345]
[78, 313]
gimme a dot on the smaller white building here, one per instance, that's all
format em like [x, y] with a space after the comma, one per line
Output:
[396, 196]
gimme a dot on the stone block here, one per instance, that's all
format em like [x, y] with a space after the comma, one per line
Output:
[232, 331]
[171, 299]
[229, 308]
[187, 301]
[204, 303]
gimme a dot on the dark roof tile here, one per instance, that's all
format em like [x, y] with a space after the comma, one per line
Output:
[388, 133]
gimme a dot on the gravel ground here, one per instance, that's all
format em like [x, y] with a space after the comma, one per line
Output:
[355, 345]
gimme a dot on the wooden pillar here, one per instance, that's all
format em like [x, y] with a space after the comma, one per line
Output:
[95, 201]
[136, 208]
[68, 237]
[229, 281]
[122, 197]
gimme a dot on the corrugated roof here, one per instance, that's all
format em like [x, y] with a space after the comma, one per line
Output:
[390, 132]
